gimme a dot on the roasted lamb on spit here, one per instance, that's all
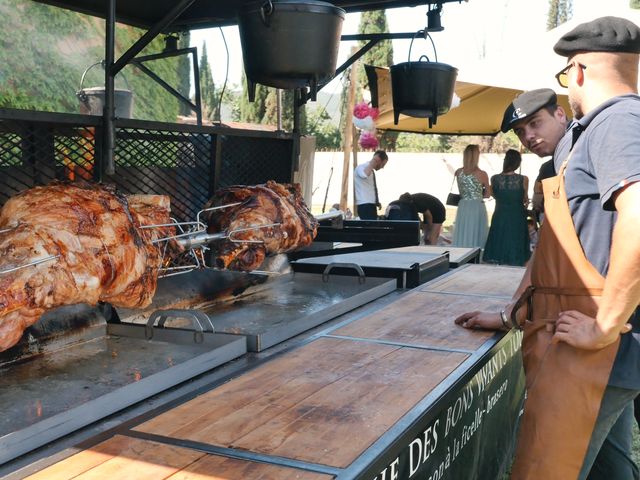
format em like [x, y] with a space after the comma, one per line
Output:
[67, 243]
[266, 220]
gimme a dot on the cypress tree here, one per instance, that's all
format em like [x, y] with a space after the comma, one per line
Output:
[375, 21]
[207, 87]
[253, 112]
[559, 12]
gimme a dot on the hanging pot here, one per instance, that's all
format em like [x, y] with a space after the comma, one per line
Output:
[290, 44]
[92, 99]
[422, 89]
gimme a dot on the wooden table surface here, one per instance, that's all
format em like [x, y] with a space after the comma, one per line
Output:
[318, 406]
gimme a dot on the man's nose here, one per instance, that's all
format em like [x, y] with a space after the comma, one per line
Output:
[529, 134]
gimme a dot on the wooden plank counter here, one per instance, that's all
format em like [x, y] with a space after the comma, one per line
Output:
[132, 458]
[398, 393]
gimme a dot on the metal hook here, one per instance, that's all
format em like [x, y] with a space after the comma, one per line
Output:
[266, 10]
[240, 230]
[220, 207]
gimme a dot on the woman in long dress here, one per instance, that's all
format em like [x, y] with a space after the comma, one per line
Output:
[508, 241]
[471, 224]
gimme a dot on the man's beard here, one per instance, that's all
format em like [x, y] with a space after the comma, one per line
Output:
[576, 109]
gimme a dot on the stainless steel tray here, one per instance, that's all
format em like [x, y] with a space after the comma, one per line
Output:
[44, 397]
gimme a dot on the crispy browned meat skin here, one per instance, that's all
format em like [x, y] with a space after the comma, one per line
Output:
[103, 256]
[261, 205]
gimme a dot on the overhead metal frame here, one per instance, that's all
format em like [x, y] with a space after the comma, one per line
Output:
[113, 66]
[207, 13]
[197, 107]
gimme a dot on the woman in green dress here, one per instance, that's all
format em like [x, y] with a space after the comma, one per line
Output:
[508, 240]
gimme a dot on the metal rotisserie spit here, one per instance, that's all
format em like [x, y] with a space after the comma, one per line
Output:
[78, 363]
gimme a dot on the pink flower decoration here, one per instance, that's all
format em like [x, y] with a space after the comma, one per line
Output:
[373, 112]
[361, 110]
[368, 140]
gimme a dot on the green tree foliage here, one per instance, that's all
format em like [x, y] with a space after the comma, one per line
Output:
[634, 4]
[207, 87]
[418, 142]
[328, 137]
[559, 12]
[374, 21]
[47, 50]
[184, 73]
[264, 110]
[253, 112]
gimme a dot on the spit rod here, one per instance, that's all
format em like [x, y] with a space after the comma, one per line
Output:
[30, 264]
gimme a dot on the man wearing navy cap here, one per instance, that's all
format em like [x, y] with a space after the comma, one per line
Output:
[540, 123]
[580, 348]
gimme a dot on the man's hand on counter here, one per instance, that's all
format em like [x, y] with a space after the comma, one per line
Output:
[485, 320]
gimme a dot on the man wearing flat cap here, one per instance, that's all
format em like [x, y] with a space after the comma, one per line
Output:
[540, 123]
[581, 344]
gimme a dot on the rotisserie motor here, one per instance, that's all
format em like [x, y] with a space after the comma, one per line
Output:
[100, 253]
[271, 203]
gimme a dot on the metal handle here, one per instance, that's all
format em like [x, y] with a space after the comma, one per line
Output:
[361, 276]
[197, 317]
[329, 215]
[83, 96]
[426, 35]
[266, 10]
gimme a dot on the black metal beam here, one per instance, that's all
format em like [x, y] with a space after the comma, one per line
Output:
[168, 88]
[106, 161]
[152, 33]
[372, 40]
[376, 36]
[111, 69]
[193, 51]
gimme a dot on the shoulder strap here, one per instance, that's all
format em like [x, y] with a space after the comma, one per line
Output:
[452, 182]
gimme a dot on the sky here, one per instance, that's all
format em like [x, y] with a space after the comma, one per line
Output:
[478, 36]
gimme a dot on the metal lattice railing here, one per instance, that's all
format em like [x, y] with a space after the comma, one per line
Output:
[241, 164]
[177, 164]
[187, 163]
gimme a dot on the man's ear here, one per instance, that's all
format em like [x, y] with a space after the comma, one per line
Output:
[579, 75]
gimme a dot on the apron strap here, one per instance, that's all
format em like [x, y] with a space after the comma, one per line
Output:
[572, 292]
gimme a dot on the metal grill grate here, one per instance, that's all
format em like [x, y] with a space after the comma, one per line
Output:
[244, 161]
[176, 164]
[34, 154]
[151, 158]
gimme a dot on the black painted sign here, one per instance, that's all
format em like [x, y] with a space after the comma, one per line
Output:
[473, 434]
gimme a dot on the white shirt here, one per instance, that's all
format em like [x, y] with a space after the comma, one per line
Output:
[365, 190]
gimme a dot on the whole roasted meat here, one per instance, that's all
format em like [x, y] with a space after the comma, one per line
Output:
[100, 253]
[260, 205]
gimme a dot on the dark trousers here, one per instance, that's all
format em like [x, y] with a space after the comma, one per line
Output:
[367, 211]
[609, 456]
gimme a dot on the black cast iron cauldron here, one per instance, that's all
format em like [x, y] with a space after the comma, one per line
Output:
[290, 44]
[422, 89]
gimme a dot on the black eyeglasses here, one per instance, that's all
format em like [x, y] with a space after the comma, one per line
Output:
[563, 75]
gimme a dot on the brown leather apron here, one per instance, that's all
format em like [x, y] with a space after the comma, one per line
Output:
[565, 385]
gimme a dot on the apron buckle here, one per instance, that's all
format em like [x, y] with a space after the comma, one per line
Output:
[526, 299]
